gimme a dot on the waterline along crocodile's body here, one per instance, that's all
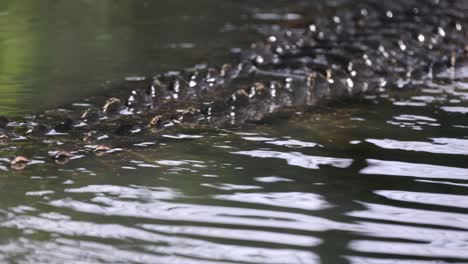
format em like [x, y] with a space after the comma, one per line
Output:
[371, 49]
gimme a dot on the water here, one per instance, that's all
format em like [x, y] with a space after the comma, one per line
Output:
[69, 49]
[379, 181]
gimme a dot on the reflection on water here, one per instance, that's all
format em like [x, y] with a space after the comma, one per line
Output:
[427, 198]
[66, 49]
[281, 193]
[298, 159]
[397, 168]
[438, 145]
[366, 183]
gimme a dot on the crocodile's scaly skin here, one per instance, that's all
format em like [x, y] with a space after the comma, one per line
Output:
[373, 48]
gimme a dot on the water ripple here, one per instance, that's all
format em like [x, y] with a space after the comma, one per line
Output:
[445, 249]
[236, 234]
[197, 213]
[409, 215]
[170, 245]
[127, 192]
[368, 260]
[306, 201]
[398, 168]
[453, 146]
[451, 200]
[298, 159]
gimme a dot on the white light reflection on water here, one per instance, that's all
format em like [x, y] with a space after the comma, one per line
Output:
[236, 234]
[292, 143]
[453, 146]
[271, 179]
[127, 192]
[443, 249]
[367, 260]
[398, 168]
[305, 201]
[276, 16]
[197, 213]
[450, 200]
[298, 159]
[424, 228]
[444, 183]
[164, 243]
[170, 245]
[231, 187]
[415, 122]
[455, 109]
[408, 232]
[409, 215]
[63, 250]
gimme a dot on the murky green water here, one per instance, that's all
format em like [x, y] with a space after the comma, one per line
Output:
[373, 182]
[55, 51]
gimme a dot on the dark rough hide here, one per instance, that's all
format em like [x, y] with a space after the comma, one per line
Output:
[375, 48]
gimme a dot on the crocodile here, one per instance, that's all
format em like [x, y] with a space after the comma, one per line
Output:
[371, 48]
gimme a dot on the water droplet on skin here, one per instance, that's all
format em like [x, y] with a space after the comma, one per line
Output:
[389, 14]
[259, 60]
[312, 28]
[421, 38]
[402, 45]
[192, 83]
[441, 32]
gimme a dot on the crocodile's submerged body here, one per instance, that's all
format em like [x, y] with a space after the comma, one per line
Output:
[370, 49]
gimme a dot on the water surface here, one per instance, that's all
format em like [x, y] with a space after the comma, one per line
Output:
[380, 181]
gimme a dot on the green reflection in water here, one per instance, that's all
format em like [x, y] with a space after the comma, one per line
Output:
[42, 50]
[55, 51]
